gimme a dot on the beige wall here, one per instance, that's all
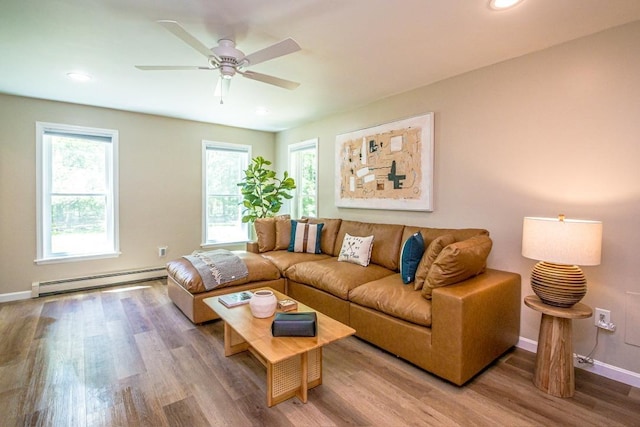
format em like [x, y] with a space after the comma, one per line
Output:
[557, 131]
[159, 185]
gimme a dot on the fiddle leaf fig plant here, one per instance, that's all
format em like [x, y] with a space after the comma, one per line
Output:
[263, 191]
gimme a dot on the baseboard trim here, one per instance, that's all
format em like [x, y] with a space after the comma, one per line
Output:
[599, 368]
[15, 296]
[96, 281]
[88, 282]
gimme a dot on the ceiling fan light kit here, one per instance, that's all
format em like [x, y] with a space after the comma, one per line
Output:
[503, 4]
[228, 59]
[78, 76]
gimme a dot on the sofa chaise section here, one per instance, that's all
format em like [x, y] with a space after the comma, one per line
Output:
[187, 291]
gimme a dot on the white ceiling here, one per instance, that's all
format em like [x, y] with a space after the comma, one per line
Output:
[353, 51]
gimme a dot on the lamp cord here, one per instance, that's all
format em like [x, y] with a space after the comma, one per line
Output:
[587, 359]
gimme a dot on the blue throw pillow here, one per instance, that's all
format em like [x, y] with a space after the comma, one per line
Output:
[305, 237]
[410, 257]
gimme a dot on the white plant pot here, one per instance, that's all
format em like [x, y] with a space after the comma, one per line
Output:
[263, 304]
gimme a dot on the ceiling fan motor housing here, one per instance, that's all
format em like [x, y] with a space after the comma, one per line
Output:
[229, 57]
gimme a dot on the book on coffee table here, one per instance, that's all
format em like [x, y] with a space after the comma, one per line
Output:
[235, 299]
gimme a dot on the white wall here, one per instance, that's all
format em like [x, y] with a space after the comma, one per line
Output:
[552, 132]
[159, 185]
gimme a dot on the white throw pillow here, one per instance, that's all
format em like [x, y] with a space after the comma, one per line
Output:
[356, 250]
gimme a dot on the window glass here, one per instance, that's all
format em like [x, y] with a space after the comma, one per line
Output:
[224, 166]
[303, 167]
[77, 200]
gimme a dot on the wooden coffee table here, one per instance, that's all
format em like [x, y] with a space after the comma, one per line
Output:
[294, 364]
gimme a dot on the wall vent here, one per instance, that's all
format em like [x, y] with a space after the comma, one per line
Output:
[99, 280]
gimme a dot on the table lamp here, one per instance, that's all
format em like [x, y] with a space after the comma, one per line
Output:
[561, 245]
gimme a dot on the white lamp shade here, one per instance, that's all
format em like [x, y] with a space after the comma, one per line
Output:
[562, 241]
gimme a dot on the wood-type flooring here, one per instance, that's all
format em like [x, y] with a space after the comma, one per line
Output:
[126, 356]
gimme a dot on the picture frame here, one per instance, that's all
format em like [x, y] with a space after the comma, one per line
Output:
[389, 166]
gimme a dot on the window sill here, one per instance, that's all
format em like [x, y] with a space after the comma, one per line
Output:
[75, 258]
[223, 244]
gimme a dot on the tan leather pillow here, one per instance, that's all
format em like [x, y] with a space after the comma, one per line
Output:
[457, 262]
[283, 231]
[430, 255]
[329, 232]
[266, 233]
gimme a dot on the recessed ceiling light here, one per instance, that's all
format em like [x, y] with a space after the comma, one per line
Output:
[80, 77]
[503, 4]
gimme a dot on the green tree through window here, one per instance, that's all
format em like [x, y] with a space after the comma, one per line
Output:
[77, 200]
[303, 167]
[224, 165]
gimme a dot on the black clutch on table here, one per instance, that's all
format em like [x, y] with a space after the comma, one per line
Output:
[294, 324]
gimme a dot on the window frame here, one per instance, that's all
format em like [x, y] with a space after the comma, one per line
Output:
[43, 192]
[297, 147]
[228, 146]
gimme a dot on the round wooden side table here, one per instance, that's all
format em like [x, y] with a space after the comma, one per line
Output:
[554, 360]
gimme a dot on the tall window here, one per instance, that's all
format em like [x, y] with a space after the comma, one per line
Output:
[303, 167]
[223, 167]
[77, 205]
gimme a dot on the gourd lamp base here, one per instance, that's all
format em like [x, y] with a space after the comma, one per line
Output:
[559, 285]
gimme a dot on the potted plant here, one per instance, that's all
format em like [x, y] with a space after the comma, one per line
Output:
[263, 191]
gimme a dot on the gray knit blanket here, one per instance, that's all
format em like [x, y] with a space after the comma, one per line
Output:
[218, 267]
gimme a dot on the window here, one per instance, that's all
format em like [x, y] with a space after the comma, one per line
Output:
[223, 167]
[77, 203]
[303, 167]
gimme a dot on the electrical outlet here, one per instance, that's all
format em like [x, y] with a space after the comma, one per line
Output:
[602, 316]
[603, 319]
[162, 251]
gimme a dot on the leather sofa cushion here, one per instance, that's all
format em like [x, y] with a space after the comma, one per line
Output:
[285, 259]
[283, 232]
[433, 250]
[386, 242]
[429, 234]
[390, 296]
[457, 262]
[265, 233]
[185, 274]
[329, 233]
[336, 278]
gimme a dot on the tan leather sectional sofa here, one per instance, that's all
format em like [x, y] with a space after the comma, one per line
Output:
[459, 331]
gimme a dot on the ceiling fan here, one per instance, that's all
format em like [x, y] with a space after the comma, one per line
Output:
[229, 60]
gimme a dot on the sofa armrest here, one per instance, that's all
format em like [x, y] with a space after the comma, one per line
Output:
[253, 247]
[474, 322]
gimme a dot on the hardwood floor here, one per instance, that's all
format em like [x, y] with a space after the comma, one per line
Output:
[126, 356]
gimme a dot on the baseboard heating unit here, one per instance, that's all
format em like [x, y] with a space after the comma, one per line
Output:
[99, 280]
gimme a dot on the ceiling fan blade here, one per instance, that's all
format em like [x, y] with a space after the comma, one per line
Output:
[282, 48]
[170, 67]
[183, 35]
[276, 81]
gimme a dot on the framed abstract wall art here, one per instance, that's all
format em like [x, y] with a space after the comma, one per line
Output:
[388, 166]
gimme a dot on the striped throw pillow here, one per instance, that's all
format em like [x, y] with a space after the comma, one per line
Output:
[305, 237]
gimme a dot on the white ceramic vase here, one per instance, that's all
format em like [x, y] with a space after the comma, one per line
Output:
[263, 304]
